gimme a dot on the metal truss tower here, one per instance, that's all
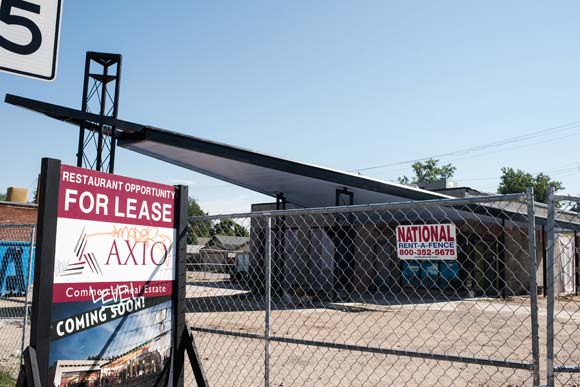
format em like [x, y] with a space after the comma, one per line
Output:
[102, 81]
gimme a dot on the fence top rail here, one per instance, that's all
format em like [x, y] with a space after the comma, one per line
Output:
[16, 225]
[220, 251]
[366, 207]
[569, 198]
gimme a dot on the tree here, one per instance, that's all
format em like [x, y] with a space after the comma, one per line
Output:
[513, 181]
[205, 229]
[198, 228]
[36, 193]
[428, 171]
[2, 197]
[230, 228]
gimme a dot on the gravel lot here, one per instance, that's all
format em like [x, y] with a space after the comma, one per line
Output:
[11, 324]
[473, 328]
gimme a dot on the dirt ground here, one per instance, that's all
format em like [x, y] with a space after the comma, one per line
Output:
[471, 328]
[489, 329]
[11, 327]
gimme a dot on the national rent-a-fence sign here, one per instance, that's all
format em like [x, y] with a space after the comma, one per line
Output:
[114, 267]
[426, 241]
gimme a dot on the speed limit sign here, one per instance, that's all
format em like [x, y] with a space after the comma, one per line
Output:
[29, 37]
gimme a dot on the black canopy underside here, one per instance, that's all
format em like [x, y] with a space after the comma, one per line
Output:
[300, 183]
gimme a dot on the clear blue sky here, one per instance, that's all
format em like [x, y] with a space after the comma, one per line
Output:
[342, 84]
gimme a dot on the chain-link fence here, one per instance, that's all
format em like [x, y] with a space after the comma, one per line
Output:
[437, 292]
[16, 271]
[563, 309]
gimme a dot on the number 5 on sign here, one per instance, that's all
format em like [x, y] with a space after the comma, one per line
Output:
[29, 37]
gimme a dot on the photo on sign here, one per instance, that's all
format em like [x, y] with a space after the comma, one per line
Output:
[130, 349]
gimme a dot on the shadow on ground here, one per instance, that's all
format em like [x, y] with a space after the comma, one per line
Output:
[247, 301]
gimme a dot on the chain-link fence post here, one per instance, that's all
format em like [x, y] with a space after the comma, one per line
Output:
[268, 296]
[533, 286]
[550, 287]
[27, 287]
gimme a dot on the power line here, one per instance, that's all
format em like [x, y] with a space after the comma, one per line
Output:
[536, 134]
[552, 172]
[517, 147]
[464, 151]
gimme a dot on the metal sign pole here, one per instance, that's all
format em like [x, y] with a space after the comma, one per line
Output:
[179, 284]
[44, 268]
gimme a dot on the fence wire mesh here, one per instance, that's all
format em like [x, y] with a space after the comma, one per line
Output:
[564, 301]
[17, 265]
[428, 293]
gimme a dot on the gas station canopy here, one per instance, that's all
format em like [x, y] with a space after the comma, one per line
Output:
[299, 183]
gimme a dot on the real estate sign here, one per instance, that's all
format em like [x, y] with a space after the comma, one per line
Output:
[426, 241]
[114, 269]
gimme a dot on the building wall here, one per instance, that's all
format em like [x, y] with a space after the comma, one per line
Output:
[517, 259]
[565, 252]
[13, 213]
[365, 259]
[483, 245]
[16, 214]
